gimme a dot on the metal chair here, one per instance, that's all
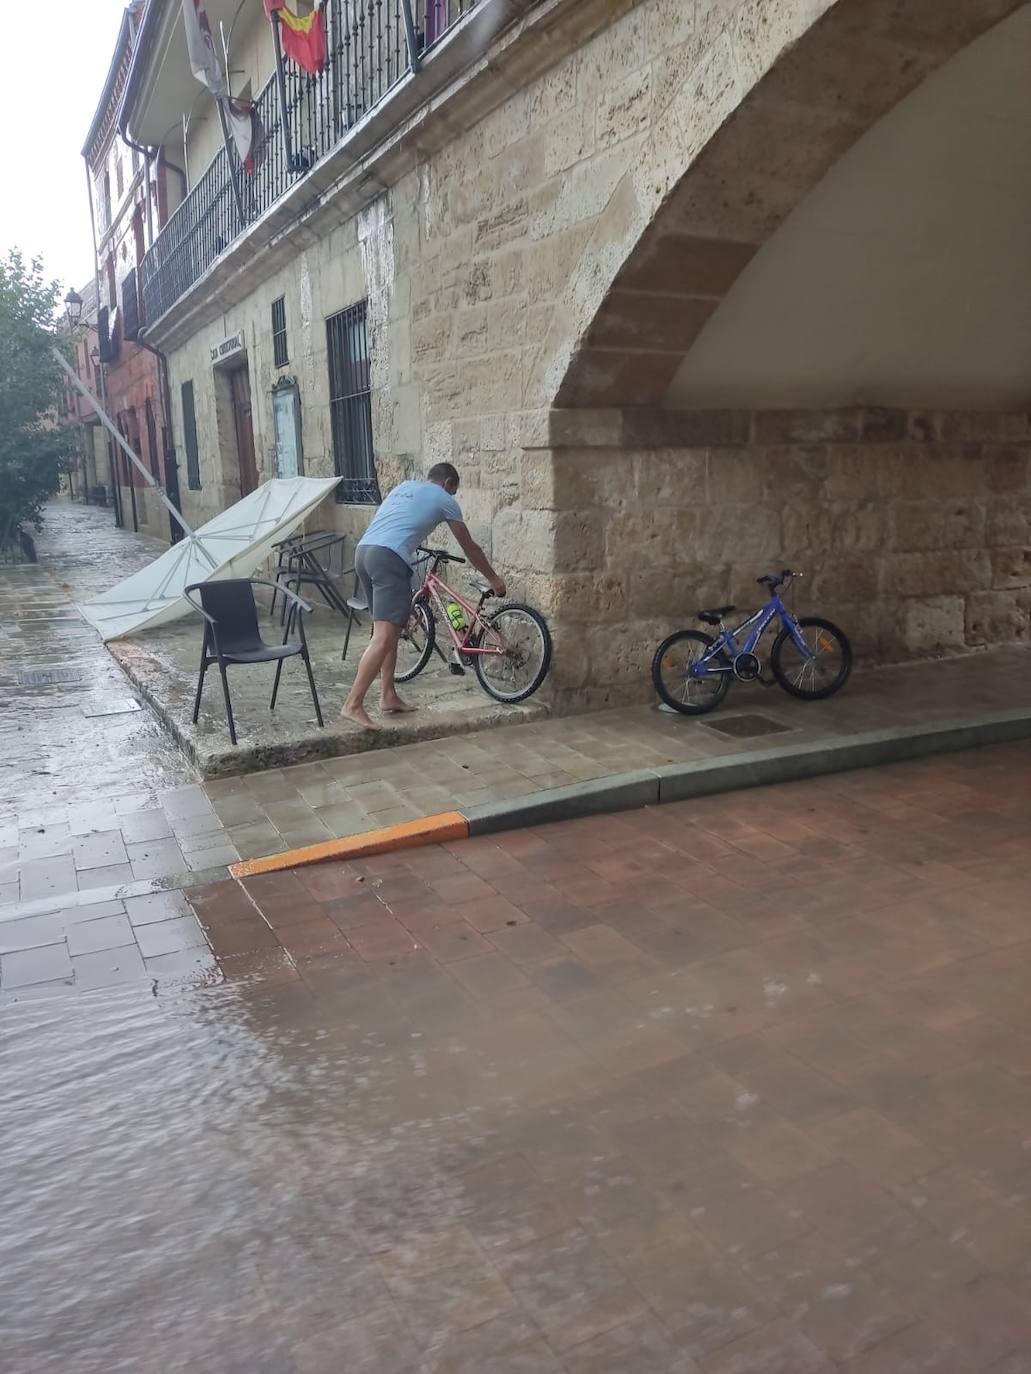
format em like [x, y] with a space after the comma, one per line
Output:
[357, 606]
[319, 563]
[288, 551]
[231, 636]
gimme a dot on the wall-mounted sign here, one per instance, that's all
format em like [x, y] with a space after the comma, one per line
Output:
[226, 349]
[286, 424]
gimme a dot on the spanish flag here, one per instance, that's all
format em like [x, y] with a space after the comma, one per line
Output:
[303, 39]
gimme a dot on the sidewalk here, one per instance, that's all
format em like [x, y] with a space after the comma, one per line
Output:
[126, 818]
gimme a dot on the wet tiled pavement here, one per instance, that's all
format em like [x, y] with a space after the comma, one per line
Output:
[81, 734]
[98, 812]
[735, 1086]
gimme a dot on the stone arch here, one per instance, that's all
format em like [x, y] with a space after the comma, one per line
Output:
[904, 516]
[725, 166]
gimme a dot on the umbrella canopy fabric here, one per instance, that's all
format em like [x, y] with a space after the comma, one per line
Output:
[233, 544]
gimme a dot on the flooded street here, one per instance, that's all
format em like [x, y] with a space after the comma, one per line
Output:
[188, 1178]
[71, 728]
[619, 1095]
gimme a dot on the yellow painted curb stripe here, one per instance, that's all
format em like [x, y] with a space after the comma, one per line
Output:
[449, 825]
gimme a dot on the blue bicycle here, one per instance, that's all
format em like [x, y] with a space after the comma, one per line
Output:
[811, 658]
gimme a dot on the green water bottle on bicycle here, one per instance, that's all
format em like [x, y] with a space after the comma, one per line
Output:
[456, 616]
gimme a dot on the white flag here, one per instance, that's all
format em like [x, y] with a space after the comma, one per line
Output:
[200, 45]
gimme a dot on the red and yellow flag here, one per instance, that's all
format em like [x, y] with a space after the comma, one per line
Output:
[303, 39]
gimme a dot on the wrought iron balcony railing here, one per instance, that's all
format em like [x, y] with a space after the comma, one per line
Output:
[368, 54]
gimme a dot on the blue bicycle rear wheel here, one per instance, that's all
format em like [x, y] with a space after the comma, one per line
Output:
[689, 693]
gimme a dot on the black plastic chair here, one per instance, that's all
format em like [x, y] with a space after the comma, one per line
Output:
[231, 636]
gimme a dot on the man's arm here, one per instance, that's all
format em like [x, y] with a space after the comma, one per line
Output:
[476, 556]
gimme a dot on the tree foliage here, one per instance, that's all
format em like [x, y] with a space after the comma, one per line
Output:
[34, 448]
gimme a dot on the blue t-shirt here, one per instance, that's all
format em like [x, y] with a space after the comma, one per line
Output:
[408, 515]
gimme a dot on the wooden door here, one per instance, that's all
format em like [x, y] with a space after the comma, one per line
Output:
[241, 389]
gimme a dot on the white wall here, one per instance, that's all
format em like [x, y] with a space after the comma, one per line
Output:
[905, 277]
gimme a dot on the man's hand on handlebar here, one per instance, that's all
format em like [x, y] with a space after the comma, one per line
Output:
[497, 585]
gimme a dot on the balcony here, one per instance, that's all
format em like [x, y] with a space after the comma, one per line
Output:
[368, 56]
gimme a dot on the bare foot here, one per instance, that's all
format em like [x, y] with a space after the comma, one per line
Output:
[359, 716]
[394, 706]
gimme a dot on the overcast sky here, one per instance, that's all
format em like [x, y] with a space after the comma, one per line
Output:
[57, 57]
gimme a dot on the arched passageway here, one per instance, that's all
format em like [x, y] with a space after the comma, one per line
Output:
[818, 353]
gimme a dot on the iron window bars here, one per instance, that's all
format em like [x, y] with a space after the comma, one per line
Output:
[350, 406]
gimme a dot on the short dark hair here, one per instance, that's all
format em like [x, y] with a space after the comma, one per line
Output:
[442, 472]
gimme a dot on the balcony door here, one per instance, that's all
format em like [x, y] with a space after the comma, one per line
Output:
[240, 391]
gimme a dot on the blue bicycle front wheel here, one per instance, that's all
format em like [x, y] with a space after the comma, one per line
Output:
[822, 669]
[690, 693]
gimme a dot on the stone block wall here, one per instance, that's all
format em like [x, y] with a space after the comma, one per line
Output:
[913, 529]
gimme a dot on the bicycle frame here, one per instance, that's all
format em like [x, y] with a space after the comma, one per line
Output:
[437, 589]
[757, 624]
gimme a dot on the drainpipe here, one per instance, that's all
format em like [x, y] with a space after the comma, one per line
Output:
[116, 494]
[123, 130]
[166, 406]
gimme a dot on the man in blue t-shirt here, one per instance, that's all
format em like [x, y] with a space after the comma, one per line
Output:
[383, 564]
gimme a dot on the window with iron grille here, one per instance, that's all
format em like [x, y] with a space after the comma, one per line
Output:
[190, 438]
[280, 351]
[350, 406]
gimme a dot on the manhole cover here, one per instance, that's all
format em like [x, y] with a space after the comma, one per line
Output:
[746, 727]
[119, 707]
[47, 677]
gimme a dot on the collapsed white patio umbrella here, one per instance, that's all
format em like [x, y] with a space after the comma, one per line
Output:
[233, 544]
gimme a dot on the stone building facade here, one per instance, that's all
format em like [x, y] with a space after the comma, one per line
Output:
[565, 236]
[127, 203]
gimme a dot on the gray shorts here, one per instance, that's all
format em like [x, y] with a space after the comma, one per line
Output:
[386, 581]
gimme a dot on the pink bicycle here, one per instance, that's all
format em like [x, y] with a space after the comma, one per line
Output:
[510, 649]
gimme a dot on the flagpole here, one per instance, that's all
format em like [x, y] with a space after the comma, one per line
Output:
[414, 57]
[284, 114]
[137, 462]
[233, 177]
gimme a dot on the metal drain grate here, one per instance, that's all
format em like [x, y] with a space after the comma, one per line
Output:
[48, 677]
[746, 727]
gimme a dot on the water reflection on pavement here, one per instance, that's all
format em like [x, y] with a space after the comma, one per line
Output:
[77, 736]
[184, 1176]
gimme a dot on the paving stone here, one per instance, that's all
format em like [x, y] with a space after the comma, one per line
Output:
[30, 932]
[100, 849]
[158, 906]
[110, 877]
[155, 858]
[41, 878]
[41, 965]
[106, 932]
[169, 937]
[138, 826]
[108, 968]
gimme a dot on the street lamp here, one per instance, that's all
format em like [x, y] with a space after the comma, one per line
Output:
[73, 301]
[73, 308]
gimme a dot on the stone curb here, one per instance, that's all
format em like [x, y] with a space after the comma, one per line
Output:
[673, 782]
[754, 768]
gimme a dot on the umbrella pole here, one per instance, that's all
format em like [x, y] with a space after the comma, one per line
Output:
[115, 433]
